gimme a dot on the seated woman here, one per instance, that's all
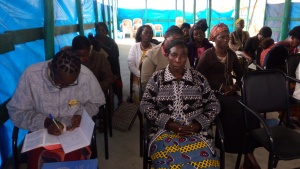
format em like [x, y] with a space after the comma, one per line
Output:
[61, 87]
[111, 47]
[197, 45]
[291, 43]
[237, 40]
[216, 64]
[181, 106]
[137, 54]
[252, 47]
[267, 44]
[185, 27]
[93, 60]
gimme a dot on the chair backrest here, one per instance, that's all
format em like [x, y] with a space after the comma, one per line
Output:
[179, 21]
[137, 21]
[265, 90]
[276, 58]
[292, 63]
[150, 24]
[158, 27]
[127, 22]
[136, 26]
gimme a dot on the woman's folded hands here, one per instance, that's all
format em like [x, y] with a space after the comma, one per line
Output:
[183, 130]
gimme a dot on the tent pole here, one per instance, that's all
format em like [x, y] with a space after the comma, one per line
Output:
[146, 12]
[103, 12]
[286, 19]
[248, 12]
[208, 16]
[49, 29]
[109, 17]
[176, 9]
[96, 11]
[194, 11]
[183, 10]
[237, 13]
[80, 17]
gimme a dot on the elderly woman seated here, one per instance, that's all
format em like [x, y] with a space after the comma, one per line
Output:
[217, 64]
[181, 107]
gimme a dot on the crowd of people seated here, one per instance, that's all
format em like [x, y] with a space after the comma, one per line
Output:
[230, 55]
[186, 82]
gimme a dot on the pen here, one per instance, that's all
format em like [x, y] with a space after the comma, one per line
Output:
[51, 117]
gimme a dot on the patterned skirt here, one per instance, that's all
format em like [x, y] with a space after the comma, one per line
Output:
[175, 152]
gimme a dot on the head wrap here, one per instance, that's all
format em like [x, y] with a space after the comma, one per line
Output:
[295, 32]
[202, 24]
[192, 30]
[265, 32]
[238, 20]
[216, 30]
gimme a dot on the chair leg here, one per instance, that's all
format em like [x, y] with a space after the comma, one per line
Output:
[110, 108]
[94, 145]
[271, 161]
[238, 161]
[222, 158]
[275, 162]
[141, 135]
[105, 132]
[109, 122]
[15, 148]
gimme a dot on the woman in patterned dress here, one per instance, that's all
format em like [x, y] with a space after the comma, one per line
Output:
[181, 106]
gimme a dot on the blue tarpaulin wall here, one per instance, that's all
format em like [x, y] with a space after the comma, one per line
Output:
[27, 14]
[295, 15]
[167, 17]
[274, 15]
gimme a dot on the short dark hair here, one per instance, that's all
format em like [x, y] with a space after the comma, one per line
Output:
[66, 61]
[175, 43]
[139, 32]
[185, 25]
[266, 32]
[103, 25]
[173, 30]
[81, 42]
[295, 32]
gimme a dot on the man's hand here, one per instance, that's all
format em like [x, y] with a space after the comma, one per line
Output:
[52, 128]
[76, 119]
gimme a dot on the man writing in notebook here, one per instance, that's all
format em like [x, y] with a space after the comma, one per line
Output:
[61, 87]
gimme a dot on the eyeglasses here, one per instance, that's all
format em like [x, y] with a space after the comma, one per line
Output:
[59, 85]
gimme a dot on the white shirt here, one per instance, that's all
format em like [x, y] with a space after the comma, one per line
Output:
[134, 58]
[296, 93]
[35, 98]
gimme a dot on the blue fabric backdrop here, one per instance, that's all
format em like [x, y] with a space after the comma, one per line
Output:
[167, 17]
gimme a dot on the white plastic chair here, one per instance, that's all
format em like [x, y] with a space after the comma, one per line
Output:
[158, 28]
[126, 27]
